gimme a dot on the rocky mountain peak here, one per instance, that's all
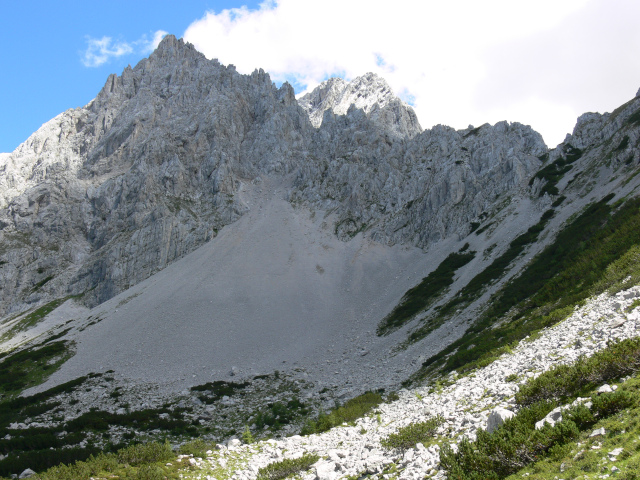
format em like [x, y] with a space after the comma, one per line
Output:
[171, 47]
[369, 93]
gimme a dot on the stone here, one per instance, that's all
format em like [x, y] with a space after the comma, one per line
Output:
[234, 442]
[27, 473]
[497, 418]
[598, 432]
[606, 388]
[615, 452]
[553, 417]
[326, 470]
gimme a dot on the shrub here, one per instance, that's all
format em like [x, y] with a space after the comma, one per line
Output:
[247, 436]
[353, 409]
[509, 448]
[615, 361]
[197, 447]
[145, 453]
[150, 472]
[422, 295]
[409, 436]
[608, 404]
[285, 468]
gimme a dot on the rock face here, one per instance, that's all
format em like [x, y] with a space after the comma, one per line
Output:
[419, 190]
[103, 196]
[368, 93]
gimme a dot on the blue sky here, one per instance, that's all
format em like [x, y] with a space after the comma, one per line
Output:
[459, 63]
[43, 43]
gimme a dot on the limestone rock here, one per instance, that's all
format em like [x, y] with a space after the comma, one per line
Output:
[369, 93]
[497, 418]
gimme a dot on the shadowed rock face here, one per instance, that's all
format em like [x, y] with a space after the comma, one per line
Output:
[103, 196]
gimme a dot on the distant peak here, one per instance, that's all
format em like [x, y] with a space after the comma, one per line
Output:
[168, 41]
[369, 93]
[172, 47]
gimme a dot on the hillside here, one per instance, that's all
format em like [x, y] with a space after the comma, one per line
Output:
[196, 251]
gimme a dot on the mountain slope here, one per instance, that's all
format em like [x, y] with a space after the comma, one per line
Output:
[193, 233]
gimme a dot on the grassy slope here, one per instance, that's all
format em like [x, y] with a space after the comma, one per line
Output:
[598, 245]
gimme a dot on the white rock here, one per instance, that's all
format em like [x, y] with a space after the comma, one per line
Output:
[497, 418]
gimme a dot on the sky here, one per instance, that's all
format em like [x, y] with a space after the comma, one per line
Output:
[458, 63]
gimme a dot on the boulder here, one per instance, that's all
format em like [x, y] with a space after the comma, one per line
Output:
[497, 418]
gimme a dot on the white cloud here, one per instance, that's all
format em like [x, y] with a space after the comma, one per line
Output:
[147, 46]
[100, 50]
[459, 62]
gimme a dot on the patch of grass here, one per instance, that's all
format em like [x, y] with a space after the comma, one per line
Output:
[586, 456]
[287, 468]
[41, 284]
[594, 252]
[145, 453]
[479, 283]
[278, 414]
[623, 144]
[407, 437]
[517, 443]
[30, 367]
[420, 297]
[32, 319]
[349, 412]
[136, 462]
[483, 229]
[555, 171]
[558, 201]
[565, 381]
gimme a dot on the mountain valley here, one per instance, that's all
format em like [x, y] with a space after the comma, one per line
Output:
[196, 254]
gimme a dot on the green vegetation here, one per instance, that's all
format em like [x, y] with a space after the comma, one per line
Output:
[558, 201]
[566, 381]
[352, 410]
[31, 366]
[140, 461]
[623, 144]
[145, 453]
[286, 468]
[278, 414]
[423, 295]
[516, 443]
[41, 283]
[44, 447]
[634, 119]
[407, 437]
[597, 251]
[555, 171]
[483, 229]
[588, 457]
[478, 284]
[32, 319]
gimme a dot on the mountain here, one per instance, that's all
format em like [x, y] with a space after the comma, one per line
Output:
[199, 245]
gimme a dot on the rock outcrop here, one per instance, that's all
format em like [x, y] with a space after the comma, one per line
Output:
[101, 197]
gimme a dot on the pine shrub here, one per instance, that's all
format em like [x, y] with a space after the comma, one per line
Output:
[286, 468]
[407, 437]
